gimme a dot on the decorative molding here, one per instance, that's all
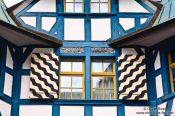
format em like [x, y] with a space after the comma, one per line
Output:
[102, 50]
[72, 50]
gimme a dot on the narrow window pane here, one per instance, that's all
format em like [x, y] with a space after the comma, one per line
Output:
[78, 7]
[173, 70]
[108, 83]
[69, 7]
[108, 94]
[77, 82]
[97, 94]
[95, 7]
[104, 1]
[65, 81]
[108, 67]
[173, 56]
[65, 66]
[77, 67]
[76, 93]
[97, 82]
[65, 93]
[103, 7]
[97, 67]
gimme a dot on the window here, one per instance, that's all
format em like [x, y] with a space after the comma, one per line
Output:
[72, 79]
[103, 80]
[171, 60]
[100, 6]
[74, 6]
[74, 29]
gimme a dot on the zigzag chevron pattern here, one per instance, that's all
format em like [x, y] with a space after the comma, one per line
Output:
[132, 77]
[44, 76]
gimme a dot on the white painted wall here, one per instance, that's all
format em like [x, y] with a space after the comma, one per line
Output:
[44, 6]
[128, 51]
[9, 60]
[127, 23]
[5, 108]
[133, 110]
[131, 6]
[159, 86]
[25, 87]
[35, 110]
[157, 63]
[8, 84]
[71, 111]
[161, 108]
[173, 109]
[104, 111]
[27, 63]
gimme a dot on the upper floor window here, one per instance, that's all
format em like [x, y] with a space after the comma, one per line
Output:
[103, 80]
[72, 79]
[73, 6]
[100, 6]
[171, 60]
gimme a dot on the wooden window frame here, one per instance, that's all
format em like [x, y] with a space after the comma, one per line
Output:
[74, 5]
[103, 75]
[171, 66]
[72, 74]
[99, 2]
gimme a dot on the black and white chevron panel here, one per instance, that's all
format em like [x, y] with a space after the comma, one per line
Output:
[132, 77]
[44, 76]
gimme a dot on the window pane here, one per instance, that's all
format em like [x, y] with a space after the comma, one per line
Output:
[103, 7]
[65, 81]
[65, 93]
[108, 94]
[97, 67]
[108, 67]
[173, 56]
[173, 70]
[77, 67]
[76, 93]
[77, 82]
[97, 94]
[97, 82]
[69, 7]
[108, 82]
[78, 7]
[65, 66]
[95, 7]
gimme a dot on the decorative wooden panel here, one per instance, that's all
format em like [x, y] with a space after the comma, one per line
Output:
[44, 76]
[132, 77]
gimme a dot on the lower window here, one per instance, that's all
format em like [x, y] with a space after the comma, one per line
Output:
[103, 80]
[171, 60]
